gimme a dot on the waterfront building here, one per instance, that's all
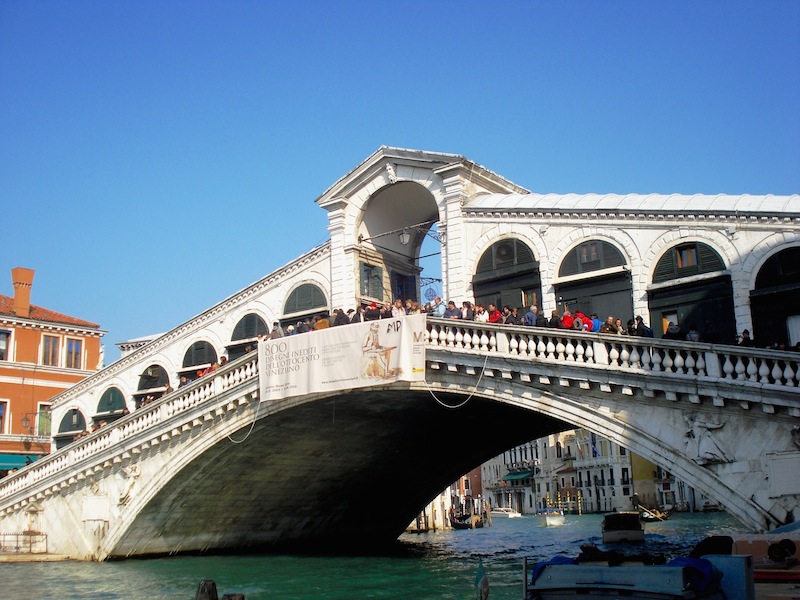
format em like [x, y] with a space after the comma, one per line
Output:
[507, 479]
[42, 353]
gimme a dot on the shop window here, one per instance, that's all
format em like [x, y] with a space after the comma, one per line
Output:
[3, 413]
[74, 353]
[50, 349]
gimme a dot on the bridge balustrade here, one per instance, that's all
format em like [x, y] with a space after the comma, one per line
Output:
[179, 409]
[692, 359]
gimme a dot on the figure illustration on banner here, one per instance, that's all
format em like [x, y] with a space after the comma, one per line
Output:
[375, 361]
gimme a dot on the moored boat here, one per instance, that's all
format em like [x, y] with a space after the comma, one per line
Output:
[504, 512]
[551, 517]
[622, 526]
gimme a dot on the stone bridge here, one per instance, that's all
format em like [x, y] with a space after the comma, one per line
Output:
[210, 467]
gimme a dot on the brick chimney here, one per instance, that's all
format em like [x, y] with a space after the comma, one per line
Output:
[23, 281]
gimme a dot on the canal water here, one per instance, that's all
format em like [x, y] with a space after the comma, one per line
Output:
[434, 565]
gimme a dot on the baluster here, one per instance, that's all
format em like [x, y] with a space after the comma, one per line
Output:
[656, 358]
[727, 367]
[752, 370]
[560, 349]
[635, 358]
[570, 350]
[624, 356]
[613, 355]
[459, 338]
[484, 342]
[513, 344]
[551, 348]
[741, 368]
[763, 371]
[579, 352]
[434, 336]
[679, 362]
[469, 340]
[777, 372]
[589, 354]
[788, 374]
[523, 346]
[690, 362]
[451, 338]
[701, 364]
[492, 342]
[541, 348]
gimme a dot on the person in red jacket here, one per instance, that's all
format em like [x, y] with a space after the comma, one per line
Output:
[495, 316]
[567, 320]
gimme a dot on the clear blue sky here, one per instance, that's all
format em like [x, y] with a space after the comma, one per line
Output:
[158, 156]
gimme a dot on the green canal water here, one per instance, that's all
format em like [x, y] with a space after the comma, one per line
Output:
[435, 565]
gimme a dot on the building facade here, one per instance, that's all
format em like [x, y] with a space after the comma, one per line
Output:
[42, 353]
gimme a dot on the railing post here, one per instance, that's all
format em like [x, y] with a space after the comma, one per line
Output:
[600, 352]
[713, 366]
[503, 345]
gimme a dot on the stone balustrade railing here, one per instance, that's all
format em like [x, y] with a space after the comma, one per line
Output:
[191, 406]
[692, 361]
[150, 425]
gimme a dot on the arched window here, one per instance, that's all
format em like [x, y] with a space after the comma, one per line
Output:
[305, 298]
[507, 274]
[153, 383]
[249, 327]
[72, 424]
[591, 255]
[111, 405]
[245, 334]
[773, 302]
[684, 260]
[503, 256]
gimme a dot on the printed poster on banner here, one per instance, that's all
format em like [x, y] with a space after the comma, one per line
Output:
[343, 358]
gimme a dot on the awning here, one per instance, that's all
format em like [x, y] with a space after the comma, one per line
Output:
[517, 476]
[16, 461]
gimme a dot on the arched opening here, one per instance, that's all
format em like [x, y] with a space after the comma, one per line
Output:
[691, 290]
[245, 335]
[507, 274]
[304, 302]
[398, 219]
[110, 407]
[72, 426]
[153, 383]
[594, 278]
[773, 302]
[198, 357]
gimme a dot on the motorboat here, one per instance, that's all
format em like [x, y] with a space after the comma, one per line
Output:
[774, 555]
[622, 526]
[550, 517]
[596, 574]
[504, 512]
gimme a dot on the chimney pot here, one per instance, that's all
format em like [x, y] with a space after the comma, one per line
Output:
[22, 279]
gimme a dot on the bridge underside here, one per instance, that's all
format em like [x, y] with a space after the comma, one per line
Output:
[291, 482]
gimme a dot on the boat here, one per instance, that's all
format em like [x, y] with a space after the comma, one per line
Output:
[550, 517]
[466, 519]
[596, 574]
[653, 515]
[504, 512]
[622, 526]
[774, 555]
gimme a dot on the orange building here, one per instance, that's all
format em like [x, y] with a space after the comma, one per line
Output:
[42, 353]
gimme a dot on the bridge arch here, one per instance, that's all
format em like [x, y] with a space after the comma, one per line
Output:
[305, 298]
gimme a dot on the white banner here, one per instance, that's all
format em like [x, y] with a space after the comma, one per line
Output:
[343, 358]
